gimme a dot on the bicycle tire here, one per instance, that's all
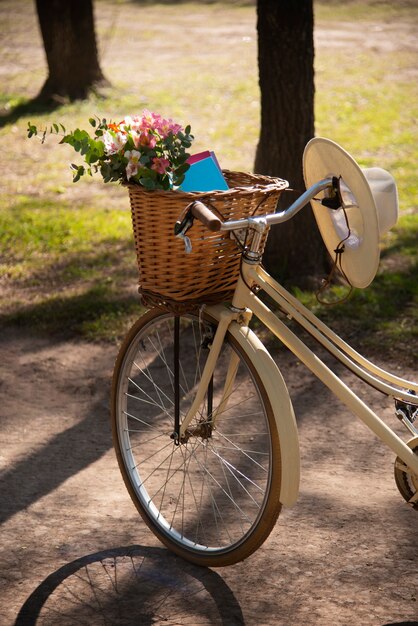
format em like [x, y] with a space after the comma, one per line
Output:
[406, 482]
[214, 498]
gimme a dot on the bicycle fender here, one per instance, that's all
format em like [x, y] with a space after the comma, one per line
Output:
[278, 394]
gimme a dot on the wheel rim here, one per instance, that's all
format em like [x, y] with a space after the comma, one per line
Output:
[208, 493]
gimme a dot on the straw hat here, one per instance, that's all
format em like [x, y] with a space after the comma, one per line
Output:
[370, 202]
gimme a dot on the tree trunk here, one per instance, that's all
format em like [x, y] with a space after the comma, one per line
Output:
[67, 28]
[286, 75]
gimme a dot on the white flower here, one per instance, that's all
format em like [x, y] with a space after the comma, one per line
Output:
[113, 142]
[133, 157]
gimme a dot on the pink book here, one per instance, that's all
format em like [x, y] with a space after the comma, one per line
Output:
[199, 156]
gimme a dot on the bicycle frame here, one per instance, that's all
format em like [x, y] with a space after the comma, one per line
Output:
[245, 303]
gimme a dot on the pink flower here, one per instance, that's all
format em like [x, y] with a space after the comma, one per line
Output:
[146, 140]
[133, 157]
[168, 127]
[175, 128]
[149, 121]
[160, 165]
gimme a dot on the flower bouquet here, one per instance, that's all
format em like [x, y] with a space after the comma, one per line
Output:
[146, 150]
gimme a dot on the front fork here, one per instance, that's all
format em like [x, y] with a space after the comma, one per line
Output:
[225, 317]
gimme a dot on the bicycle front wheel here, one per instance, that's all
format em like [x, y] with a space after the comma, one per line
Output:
[212, 497]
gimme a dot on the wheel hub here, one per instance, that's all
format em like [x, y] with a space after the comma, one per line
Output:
[203, 430]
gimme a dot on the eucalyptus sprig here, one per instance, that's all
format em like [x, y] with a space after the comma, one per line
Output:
[146, 149]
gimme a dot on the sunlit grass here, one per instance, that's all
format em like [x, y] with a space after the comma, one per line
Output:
[335, 11]
[370, 107]
[38, 233]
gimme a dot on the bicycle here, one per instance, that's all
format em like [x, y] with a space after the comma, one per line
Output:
[203, 425]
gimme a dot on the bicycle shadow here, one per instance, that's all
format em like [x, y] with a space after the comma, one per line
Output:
[401, 624]
[131, 585]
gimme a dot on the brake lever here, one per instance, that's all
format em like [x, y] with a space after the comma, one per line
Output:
[181, 227]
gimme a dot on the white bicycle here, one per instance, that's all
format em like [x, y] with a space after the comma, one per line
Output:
[203, 425]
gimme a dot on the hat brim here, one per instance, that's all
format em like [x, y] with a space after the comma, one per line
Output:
[323, 158]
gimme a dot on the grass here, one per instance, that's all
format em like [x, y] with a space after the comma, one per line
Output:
[67, 261]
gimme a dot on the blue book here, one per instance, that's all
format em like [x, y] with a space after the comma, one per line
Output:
[204, 174]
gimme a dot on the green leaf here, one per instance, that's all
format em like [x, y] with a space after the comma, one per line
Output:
[106, 172]
[179, 171]
[85, 147]
[148, 183]
[70, 139]
[32, 130]
[92, 122]
[182, 158]
[56, 128]
[92, 157]
[81, 134]
[166, 183]
[97, 146]
[80, 172]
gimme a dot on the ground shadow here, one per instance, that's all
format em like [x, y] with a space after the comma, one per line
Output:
[131, 585]
[32, 107]
[402, 624]
[72, 317]
[42, 471]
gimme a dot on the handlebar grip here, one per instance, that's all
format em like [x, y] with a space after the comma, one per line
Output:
[205, 215]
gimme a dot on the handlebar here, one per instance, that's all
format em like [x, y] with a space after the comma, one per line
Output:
[201, 212]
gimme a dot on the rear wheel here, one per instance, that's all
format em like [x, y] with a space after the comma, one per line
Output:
[406, 481]
[213, 497]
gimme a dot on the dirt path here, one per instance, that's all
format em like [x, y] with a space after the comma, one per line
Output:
[345, 554]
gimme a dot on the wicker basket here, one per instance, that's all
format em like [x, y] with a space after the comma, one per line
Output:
[170, 277]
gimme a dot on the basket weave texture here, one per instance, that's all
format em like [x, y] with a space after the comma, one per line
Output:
[170, 277]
